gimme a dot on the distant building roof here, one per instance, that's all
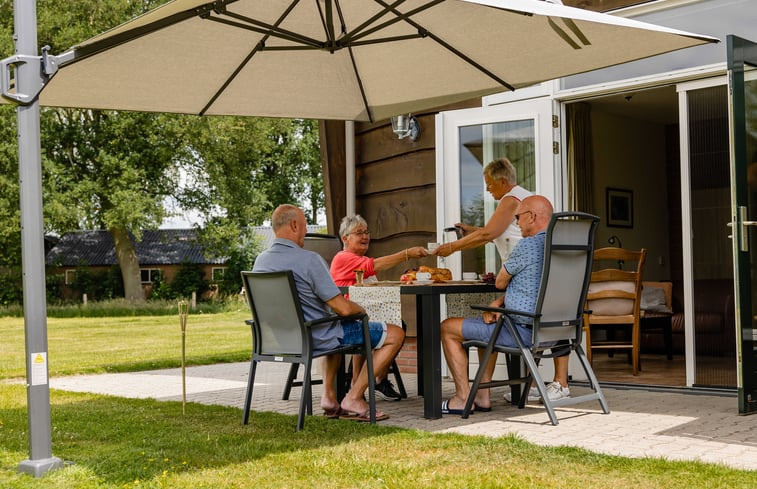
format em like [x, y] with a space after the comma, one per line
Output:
[158, 247]
[266, 234]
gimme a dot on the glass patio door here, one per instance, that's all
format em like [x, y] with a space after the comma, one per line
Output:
[523, 132]
[742, 84]
[467, 140]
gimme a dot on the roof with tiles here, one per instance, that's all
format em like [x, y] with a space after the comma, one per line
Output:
[158, 247]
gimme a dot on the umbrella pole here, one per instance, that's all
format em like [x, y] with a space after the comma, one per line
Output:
[29, 80]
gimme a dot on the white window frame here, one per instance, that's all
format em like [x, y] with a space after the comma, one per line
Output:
[213, 271]
[70, 277]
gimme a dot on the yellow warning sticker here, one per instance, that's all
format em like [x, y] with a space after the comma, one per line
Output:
[38, 368]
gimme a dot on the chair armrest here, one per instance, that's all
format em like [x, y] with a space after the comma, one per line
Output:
[249, 322]
[506, 311]
[335, 317]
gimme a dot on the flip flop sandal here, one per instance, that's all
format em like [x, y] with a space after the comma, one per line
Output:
[363, 417]
[448, 410]
[334, 413]
[480, 409]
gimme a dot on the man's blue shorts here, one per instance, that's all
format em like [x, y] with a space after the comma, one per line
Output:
[353, 333]
[477, 329]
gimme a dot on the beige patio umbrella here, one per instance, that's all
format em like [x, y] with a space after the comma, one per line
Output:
[342, 59]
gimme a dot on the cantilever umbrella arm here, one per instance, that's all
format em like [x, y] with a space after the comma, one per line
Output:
[48, 67]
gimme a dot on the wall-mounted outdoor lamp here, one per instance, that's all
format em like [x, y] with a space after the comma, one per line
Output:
[406, 125]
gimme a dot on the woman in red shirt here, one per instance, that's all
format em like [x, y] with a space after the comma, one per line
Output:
[356, 238]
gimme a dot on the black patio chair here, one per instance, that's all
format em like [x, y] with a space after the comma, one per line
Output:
[280, 334]
[328, 245]
[557, 318]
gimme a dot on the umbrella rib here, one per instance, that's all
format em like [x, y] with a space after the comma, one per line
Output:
[347, 38]
[360, 84]
[329, 21]
[563, 35]
[387, 39]
[126, 36]
[356, 34]
[577, 31]
[246, 60]
[272, 30]
[424, 32]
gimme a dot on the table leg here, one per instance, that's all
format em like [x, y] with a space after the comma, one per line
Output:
[419, 342]
[432, 357]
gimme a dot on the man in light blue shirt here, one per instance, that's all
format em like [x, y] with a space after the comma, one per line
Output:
[520, 276]
[319, 296]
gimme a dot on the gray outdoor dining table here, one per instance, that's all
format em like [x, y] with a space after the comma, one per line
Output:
[382, 302]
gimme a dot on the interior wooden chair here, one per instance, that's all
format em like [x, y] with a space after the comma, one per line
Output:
[328, 245]
[280, 334]
[557, 318]
[613, 302]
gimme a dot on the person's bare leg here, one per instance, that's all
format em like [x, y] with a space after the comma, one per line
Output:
[561, 370]
[330, 365]
[382, 357]
[483, 396]
[457, 360]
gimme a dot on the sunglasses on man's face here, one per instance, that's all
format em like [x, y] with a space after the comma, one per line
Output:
[517, 216]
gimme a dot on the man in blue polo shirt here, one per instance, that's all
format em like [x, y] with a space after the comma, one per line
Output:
[319, 296]
[520, 276]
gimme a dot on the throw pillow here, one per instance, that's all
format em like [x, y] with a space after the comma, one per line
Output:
[611, 307]
[653, 299]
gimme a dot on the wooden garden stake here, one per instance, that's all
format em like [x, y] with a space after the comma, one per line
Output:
[183, 311]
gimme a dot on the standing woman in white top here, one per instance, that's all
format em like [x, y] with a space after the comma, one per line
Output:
[502, 228]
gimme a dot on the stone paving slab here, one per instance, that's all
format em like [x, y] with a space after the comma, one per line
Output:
[676, 426]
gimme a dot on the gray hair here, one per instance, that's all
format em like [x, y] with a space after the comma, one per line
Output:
[283, 215]
[501, 168]
[349, 223]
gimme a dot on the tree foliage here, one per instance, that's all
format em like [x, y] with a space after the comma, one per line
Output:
[115, 169]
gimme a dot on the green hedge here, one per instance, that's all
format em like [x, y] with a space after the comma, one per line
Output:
[120, 307]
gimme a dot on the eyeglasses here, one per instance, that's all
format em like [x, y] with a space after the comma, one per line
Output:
[517, 216]
[361, 233]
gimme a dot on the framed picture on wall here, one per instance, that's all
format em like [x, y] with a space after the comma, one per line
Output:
[619, 208]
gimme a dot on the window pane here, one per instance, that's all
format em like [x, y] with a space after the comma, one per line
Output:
[479, 145]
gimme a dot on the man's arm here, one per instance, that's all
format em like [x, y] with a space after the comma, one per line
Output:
[344, 307]
[490, 317]
[503, 278]
[498, 222]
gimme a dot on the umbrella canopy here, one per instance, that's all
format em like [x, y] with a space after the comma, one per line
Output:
[342, 59]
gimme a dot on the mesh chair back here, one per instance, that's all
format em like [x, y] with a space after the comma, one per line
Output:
[326, 245]
[565, 277]
[279, 328]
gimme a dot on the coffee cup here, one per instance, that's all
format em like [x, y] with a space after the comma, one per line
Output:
[431, 247]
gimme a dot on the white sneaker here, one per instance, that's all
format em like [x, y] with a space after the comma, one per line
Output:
[555, 391]
[533, 395]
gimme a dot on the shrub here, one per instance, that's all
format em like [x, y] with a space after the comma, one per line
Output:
[11, 291]
[241, 257]
[187, 280]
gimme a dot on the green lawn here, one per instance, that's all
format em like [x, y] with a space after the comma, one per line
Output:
[126, 443]
[117, 443]
[121, 344]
